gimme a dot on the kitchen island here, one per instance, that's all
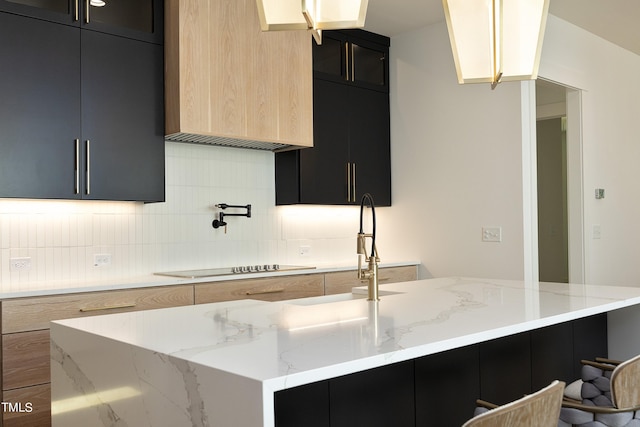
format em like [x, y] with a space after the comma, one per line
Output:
[233, 363]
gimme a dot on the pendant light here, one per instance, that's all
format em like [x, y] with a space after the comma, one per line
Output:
[316, 15]
[496, 40]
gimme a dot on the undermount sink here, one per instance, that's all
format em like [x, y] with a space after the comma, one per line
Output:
[326, 299]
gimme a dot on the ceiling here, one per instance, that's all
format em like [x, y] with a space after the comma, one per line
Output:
[613, 20]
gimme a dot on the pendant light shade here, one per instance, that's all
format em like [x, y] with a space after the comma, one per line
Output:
[334, 14]
[496, 40]
[311, 14]
[281, 15]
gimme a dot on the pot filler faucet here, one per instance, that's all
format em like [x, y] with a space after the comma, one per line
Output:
[371, 273]
[217, 223]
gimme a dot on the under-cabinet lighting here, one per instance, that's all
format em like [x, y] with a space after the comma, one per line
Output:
[316, 15]
[496, 40]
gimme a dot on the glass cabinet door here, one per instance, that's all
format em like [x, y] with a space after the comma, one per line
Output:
[61, 11]
[136, 15]
[329, 57]
[368, 65]
[140, 19]
[60, 6]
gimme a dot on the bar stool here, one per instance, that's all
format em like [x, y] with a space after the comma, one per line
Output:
[610, 395]
[540, 409]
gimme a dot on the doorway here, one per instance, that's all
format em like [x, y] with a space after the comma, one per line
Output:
[559, 183]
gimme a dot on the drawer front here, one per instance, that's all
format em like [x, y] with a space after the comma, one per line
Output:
[342, 282]
[267, 289]
[26, 314]
[39, 398]
[25, 359]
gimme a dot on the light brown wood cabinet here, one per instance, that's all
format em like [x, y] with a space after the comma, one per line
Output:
[25, 340]
[342, 282]
[226, 80]
[265, 289]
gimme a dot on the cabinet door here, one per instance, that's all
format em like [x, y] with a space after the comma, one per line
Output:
[39, 108]
[140, 19]
[61, 11]
[330, 57]
[369, 144]
[368, 64]
[264, 289]
[505, 368]
[447, 386]
[384, 396]
[324, 168]
[122, 118]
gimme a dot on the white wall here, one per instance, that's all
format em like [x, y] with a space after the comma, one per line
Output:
[456, 163]
[608, 76]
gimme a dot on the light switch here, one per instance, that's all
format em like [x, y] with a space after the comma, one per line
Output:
[492, 234]
[597, 232]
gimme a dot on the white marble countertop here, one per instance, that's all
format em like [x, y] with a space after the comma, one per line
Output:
[285, 344]
[151, 280]
[198, 361]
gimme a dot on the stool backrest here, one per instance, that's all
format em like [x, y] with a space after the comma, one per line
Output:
[540, 409]
[625, 384]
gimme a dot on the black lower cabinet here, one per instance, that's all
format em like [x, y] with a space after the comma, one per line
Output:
[552, 355]
[380, 397]
[447, 386]
[306, 405]
[590, 340]
[441, 389]
[505, 368]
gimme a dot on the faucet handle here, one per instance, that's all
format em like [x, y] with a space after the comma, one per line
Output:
[360, 250]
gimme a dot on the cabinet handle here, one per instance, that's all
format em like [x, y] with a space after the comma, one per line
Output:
[86, 11]
[346, 59]
[353, 66]
[348, 181]
[353, 180]
[88, 167]
[108, 307]
[77, 168]
[267, 291]
[75, 10]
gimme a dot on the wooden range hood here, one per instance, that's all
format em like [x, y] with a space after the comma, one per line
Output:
[228, 83]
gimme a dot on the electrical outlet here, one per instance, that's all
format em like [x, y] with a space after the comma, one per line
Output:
[304, 250]
[20, 263]
[492, 234]
[101, 260]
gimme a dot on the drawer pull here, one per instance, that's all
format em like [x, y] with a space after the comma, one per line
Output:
[268, 291]
[108, 307]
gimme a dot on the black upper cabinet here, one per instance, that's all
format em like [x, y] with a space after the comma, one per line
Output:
[82, 113]
[139, 19]
[353, 56]
[351, 132]
[122, 118]
[39, 109]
